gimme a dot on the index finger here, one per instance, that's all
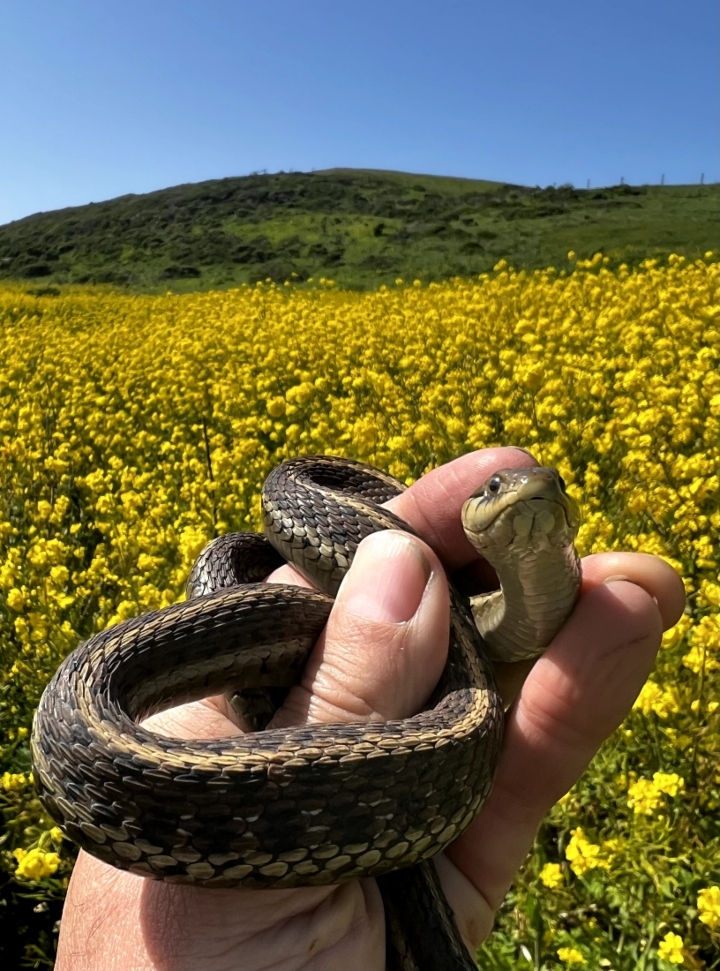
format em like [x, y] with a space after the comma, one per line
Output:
[433, 504]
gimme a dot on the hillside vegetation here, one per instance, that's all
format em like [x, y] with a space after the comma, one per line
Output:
[359, 227]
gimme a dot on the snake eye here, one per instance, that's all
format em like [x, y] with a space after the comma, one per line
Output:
[562, 483]
[494, 484]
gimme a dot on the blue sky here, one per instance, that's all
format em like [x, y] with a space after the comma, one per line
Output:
[101, 97]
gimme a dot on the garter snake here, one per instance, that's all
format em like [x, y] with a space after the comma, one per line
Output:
[309, 805]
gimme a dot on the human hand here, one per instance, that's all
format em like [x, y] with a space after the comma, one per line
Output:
[380, 657]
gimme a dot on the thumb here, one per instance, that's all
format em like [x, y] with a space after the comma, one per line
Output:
[385, 644]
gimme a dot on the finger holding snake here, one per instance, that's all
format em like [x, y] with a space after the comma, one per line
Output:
[573, 698]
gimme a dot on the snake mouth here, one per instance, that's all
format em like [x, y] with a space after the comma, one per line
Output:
[512, 488]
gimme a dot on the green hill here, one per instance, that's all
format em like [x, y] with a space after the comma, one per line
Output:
[359, 227]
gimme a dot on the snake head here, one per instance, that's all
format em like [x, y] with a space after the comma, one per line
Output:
[519, 510]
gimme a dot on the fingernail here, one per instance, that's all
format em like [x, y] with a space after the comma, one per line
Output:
[519, 448]
[387, 579]
[616, 576]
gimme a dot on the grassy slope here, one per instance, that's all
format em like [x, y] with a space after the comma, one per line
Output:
[359, 227]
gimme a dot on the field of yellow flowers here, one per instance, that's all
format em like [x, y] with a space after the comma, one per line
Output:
[135, 428]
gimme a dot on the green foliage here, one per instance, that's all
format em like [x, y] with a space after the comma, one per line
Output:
[28, 924]
[359, 227]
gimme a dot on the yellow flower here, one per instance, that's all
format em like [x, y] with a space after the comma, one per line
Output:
[533, 377]
[652, 698]
[35, 864]
[705, 642]
[44, 509]
[551, 875]
[708, 904]
[275, 407]
[570, 955]
[59, 575]
[422, 432]
[643, 797]
[300, 394]
[582, 854]
[147, 563]
[190, 542]
[668, 782]
[671, 948]
[15, 599]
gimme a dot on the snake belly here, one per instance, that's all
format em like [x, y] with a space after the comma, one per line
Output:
[283, 808]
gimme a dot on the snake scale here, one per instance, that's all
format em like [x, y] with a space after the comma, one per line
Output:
[315, 804]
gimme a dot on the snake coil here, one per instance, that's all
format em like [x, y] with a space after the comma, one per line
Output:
[315, 804]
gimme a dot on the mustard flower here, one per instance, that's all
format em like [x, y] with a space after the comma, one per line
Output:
[671, 948]
[570, 955]
[551, 875]
[582, 854]
[35, 864]
[708, 904]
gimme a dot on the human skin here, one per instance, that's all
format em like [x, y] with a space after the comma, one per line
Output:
[379, 658]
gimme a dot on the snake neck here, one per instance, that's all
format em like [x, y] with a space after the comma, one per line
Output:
[538, 590]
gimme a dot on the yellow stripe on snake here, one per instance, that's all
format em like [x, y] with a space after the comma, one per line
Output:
[309, 805]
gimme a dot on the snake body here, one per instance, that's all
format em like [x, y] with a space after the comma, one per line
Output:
[309, 805]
